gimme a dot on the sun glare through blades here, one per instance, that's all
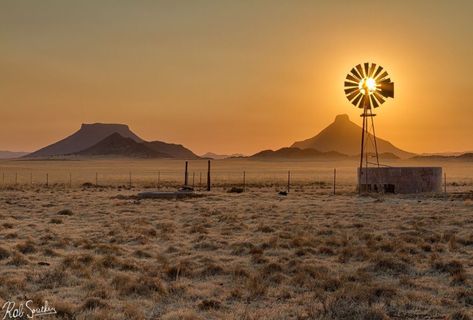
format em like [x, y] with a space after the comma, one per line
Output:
[368, 79]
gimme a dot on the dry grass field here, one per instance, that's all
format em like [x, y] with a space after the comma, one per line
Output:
[97, 252]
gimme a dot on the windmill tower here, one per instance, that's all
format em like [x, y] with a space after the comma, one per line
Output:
[367, 86]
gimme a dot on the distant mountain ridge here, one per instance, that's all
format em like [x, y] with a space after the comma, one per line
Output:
[343, 136]
[461, 157]
[297, 153]
[176, 151]
[100, 139]
[310, 154]
[4, 154]
[211, 155]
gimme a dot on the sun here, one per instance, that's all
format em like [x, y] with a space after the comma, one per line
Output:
[367, 85]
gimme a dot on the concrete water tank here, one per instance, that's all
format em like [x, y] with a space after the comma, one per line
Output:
[400, 179]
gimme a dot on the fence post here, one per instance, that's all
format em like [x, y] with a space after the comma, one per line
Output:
[129, 179]
[159, 180]
[16, 178]
[31, 178]
[200, 179]
[193, 179]
[47, 179]
[70, 180]
[445, 182]
[334, 180]
[288, 181]
[96, 179]
[185, 175]
[244, 181]
[208, 176]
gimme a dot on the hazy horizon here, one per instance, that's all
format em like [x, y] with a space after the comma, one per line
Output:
[233, 77]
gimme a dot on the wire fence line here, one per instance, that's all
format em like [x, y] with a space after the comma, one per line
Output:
[170, 178]
[282, 175]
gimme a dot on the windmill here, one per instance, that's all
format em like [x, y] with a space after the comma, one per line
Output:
[367, 86]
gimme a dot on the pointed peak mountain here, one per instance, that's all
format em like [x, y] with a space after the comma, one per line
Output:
[116, 145]
[343, 136]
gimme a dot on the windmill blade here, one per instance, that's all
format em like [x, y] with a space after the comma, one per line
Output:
[385, 80]
[377, 72]
[367, 68]
[356, 74]
[350, 85]
[357, 99]
[360, 70]
[372, 68]
[361, 103]
[353, 94]
[382, 76]
[350, 90]
[373, 101]
[352, 78]
[387, 89]
[379, 97]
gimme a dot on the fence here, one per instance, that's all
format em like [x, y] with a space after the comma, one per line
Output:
[170, 174]
[222, 175]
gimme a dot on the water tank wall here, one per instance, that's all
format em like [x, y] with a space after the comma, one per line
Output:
[401, 179]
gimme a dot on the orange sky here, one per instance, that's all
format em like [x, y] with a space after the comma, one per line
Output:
[233, 76]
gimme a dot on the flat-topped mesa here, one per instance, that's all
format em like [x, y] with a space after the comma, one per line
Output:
[85, 137]
[101, 125]
[342, 118]
[111, 139]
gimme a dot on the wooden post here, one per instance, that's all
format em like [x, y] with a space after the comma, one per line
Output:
[31, 178]
[3, 177]
[96, 179]
[288, 181]
[70, 180]
[16, 178]
[129, 179]
[47, 179]
[208, 176]
[334, 181]
[200, 179]
[193, 179]
[244, 181]
[445, 182]
[159, 180]
[185, 175]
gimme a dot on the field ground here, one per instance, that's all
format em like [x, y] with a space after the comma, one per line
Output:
[99, 253]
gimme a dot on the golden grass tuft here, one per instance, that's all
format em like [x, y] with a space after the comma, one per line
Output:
[182, 315]
[4, 253]
[128, 285]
